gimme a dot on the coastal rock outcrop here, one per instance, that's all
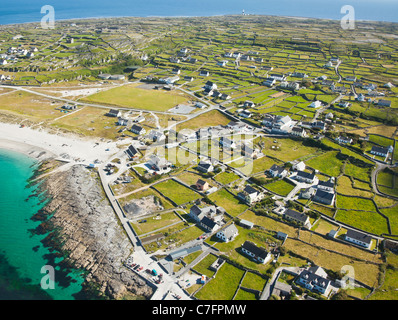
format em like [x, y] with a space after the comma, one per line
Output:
[90, 232]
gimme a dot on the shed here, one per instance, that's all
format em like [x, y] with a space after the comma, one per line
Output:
[246, 224]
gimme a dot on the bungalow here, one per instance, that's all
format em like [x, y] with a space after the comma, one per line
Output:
[282, 125]
[277, 171]
[344, 140]
[227, 143]
[384, 103]
[358, 238]
[188, 78]
[212, 212]
[380, 151]
[3, 62]
[299, 217]
[351, 78]
[307, 193]
[344, 104]
[269, 82]
[248, 152]
[132, 152]
[176, 71]
[209, 224]
[123, 122]
[249, 104]
[137, 129]
[222, 63]
[300, 166]
[324, 197]
[314, 279]
[278, 77]
[205, 167]
[228, 233]
[193, 60]
[114, 113]
[306, 177]
[184, 50]
[156, 136]
[298, 132]
[203, 73]
[159, 164]
[228, 55]
[250, 195]
[327, 186]
[225, 96]
[210, 85]
[245, 114]
[299, 75]
[315, 104]
[202, 185]
[281, 235]
[200, 105]
[257, 253]
[174, 60]
[361, 98]
[318, 125]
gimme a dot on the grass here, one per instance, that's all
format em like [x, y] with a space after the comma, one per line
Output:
[231, 204]
[253, 281]
[243, 295]
[224, 286]
[203, 266]
[367, 221]
[129, 96]
[327, 163]
[153, 224]
[344, 186]
[176, 192]
[280, 187]
[208, 119]
[354, 203]
[226, 177]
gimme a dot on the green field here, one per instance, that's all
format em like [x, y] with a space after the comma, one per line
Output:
[281, 187]
[176, 192]
[129, 96]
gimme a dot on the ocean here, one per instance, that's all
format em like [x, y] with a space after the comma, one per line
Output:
[24, 260]
[20, 11]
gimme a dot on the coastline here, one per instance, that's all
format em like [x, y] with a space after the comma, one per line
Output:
[79, 222]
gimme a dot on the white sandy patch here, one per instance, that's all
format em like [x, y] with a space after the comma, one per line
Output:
[78, 92]
[27, 140]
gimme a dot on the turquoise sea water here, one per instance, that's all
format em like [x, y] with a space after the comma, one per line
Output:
[22, 254]
[20, 11]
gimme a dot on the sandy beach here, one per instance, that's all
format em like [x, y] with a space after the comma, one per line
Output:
[41, 144]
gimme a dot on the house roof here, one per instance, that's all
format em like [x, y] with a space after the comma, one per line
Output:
[208, 222]
[359, 236]
[296, 215]
[230, 231]
[132, 151]
[314, 279]
[380, 149]
[250, 190]
[246, 223]
[306, 175]
[258, 251]
[201, 182]
[328, 184]
[324, 195]
[277, 168]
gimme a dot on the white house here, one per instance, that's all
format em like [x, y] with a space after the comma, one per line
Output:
[227, 143]
[299, 166]
[137, 129]
[314, 279]
[156, 136]
[250, 195]
[228, 233]
[344, 140]
[257, 253]
[158, 163]
[358, 238]
[315, 104]
[277, 171]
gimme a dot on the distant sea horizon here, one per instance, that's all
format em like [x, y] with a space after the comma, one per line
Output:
[28, 11]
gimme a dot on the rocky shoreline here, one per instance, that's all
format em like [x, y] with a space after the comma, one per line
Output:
[83, 228]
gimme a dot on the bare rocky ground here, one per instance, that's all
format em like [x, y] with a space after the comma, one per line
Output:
[90, 232]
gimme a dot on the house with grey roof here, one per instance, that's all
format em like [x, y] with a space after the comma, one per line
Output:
[228, 233]
[277, 171]
[258, 254]
[296, 216]
[305, 177]
[324, 197]
[314, 279]
[358, 238]
[250, 195]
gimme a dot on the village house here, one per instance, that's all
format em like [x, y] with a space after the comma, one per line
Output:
[250, 195]
[324, 197]
[114, 113]
[201, 185]
[156, 136]
[257, 253]
[384, 103]
[314, 279]
[132, 152]
[358, 238]
[137, 129]
[227, 143]
[203, 73]
[269, 82]
[298, 132]
[327, 186]
[248, 152]
[277, 171]
[296, 216]
[249, 104]
[282, 125]
[380, 151]
[205, 167]
[245, 114]
[299, 166]
[344, 140]
[306, 177]
[159, 164]
[228, 233]
[315, 104]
